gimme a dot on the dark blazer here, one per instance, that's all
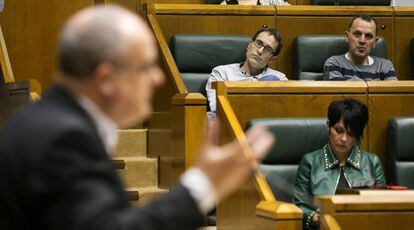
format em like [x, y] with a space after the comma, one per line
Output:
[56, 174]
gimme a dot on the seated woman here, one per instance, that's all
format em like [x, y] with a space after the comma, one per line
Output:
[340, 163]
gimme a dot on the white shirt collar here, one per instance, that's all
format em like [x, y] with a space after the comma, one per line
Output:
[107, 128]
[370, 59]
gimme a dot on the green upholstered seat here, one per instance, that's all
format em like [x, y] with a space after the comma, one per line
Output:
[196, 55]
[294, 138]
[400, 151]
[311, 51]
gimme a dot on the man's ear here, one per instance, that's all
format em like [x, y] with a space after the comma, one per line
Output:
[376, 40]
[103, 79]
[248, 45]
[274, 57]
[347, 34]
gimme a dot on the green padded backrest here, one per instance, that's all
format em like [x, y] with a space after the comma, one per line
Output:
[294, 138]
[400, 151]
[196, 55]
[311, 51]
[201, 53]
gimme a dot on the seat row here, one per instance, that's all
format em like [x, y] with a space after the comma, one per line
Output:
[197, 55]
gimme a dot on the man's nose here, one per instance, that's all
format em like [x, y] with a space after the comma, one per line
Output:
[362, 39]
[260, 50]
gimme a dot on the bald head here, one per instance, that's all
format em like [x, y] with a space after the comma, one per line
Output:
[96, 35]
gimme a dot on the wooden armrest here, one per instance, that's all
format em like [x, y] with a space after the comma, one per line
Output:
[189, 99]
[278, 210]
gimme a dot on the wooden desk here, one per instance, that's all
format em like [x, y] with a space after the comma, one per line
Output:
[389, 210]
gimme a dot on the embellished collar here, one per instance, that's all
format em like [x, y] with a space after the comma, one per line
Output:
[354, 159]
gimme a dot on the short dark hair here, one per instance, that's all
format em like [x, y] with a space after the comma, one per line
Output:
[275, 34]
[353, 113]
[366, 18]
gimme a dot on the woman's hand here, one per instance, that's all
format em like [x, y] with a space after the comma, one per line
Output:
[315, 217]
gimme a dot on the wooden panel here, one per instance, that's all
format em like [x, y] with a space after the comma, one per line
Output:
[238, 212]
[195, 124]
[129, 4]
[292, 26]
[188, 120]
[214, 24]
[282, 105]
[381, 108]
[385, 101]
[140, 3]
[392, 211]
[194, 112]
[31, 44]
[178, 9]
[294, 87]
[404, 10]
[404, 32]
[374, 220]
[303, 2]
[335, 10]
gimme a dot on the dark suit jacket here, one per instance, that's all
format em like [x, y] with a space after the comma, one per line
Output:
[56, 174]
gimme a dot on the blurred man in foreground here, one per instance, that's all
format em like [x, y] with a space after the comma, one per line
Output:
[55, 165]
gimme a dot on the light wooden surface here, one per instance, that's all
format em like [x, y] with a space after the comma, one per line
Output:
[206, 9]
[302, 2]
[171, 68]
[291, 87]
[404, 10]
[392, 211]
[192, 108]
[31, 30]
[308, 10]
[6, 68]
[279, 210]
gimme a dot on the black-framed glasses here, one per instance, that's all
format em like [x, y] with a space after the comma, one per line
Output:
[267, 49]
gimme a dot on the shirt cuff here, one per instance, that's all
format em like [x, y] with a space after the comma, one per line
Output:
[200, 188]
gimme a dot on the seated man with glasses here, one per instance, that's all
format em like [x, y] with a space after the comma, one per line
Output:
[264, 47]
